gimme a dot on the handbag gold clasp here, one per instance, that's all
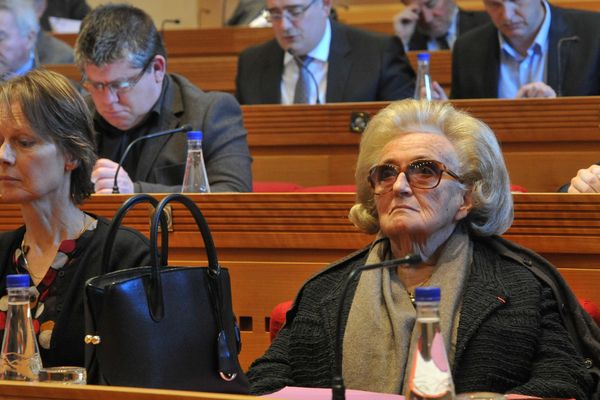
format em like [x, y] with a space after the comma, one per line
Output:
[92, 339]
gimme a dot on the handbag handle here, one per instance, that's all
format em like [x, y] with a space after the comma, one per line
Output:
[154, 292]
[226, 361]
[116, 223]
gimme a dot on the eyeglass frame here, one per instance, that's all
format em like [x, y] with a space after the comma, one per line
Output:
[286, 13]
[440, 165]
[92, 86]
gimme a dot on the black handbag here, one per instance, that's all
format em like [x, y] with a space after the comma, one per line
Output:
[163, 327]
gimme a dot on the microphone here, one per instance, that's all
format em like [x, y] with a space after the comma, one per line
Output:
[175, 21]
[559, 48]
[338, 390]
[300, 63]
[184, 128]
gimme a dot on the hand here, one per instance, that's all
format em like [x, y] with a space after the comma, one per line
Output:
[586, 181]
[535, 89]
[437, 91]
[103, 177]
[405, 23]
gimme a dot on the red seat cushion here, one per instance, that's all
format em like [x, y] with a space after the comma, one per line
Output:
[264, 187]
[278, 318]
[517, 188]
[591, 308]
[328, 188]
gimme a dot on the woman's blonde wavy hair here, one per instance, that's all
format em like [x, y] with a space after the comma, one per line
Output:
[481, 163]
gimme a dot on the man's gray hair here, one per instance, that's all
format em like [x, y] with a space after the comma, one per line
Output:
[24, 14]
[114, 32]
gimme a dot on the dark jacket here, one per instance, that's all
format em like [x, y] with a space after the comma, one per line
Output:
[363, 66]
[510, 334]
[50, 50]
[573, 57]
[467, 20]
[225, 147]
[130, 250]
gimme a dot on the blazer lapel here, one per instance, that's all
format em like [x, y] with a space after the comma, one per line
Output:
[340, 64]
[558, 51]
[418, 41]
[490, 66]
[270, 75]
[171, 107]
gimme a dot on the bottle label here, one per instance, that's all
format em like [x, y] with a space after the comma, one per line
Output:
[430, 373]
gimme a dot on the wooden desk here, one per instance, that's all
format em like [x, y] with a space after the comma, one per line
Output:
[37, 391]
[225, 41]
[382, 11]
[544, 141]
[271, 243]
[209, 73]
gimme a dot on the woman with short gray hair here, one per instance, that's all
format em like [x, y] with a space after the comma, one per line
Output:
[431, 182]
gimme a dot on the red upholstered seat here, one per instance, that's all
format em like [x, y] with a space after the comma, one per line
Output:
[328, 188]
[517, 188]
[278, 318]
[278, 314]
[591, 308]
[275, 187]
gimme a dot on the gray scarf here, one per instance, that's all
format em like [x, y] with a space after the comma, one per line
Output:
[380, 329]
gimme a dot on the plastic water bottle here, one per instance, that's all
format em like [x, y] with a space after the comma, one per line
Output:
[195, 179]
[423, 78]
[20, 355]
[430, 376]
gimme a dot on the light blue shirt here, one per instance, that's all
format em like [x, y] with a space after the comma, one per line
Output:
[318, 68]
[23, 69]
[451, 35]
[517, 70]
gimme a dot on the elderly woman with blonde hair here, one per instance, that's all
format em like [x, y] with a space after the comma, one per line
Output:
[431, 181]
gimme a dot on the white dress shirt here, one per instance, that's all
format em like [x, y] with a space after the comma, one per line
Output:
[318, 68]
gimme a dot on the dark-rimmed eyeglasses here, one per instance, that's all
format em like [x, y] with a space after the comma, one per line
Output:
[292, 13]
[420, 174]
[116, 87]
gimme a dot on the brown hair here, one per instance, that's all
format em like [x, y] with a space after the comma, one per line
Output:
[56, 111]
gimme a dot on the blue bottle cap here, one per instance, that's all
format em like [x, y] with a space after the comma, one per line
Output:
[194, 135]
[17, 280]
[427, 293]
[423, 57]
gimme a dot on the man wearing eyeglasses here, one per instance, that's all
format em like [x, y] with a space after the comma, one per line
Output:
[532, 49]
[434, 24]
[123, 62]
[315, 60]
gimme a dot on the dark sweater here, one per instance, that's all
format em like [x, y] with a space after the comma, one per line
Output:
[510, 335]
[130, 250]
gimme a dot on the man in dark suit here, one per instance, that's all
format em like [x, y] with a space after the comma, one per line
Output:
[532, 50]
[123, 62]
[434, 24]
[22, 46]
[328, 62]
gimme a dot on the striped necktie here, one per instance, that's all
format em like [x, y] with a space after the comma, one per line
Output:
[302, 91]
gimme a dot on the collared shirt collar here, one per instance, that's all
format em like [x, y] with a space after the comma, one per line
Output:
[320, 52]
[29, 64]
[540, 43]
[453, 29]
